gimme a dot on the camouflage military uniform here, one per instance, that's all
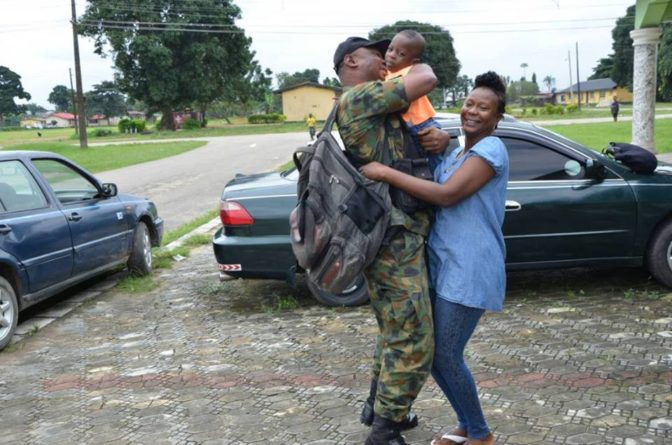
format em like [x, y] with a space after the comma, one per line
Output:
[398, 276]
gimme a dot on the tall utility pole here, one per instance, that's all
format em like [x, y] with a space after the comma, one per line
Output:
[578, 79]
[74, 107]
[571, 85]
[81, 120]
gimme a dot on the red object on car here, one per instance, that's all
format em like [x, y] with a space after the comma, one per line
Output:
[233, 213]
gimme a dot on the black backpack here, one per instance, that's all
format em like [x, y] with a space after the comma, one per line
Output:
[638, 159]
[340, 220]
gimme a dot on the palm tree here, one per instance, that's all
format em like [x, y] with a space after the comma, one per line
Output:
[549, 81]
[523, 66]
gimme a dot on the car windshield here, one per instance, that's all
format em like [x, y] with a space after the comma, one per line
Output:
[562, 139]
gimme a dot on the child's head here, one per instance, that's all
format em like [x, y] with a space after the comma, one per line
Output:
[405, 49]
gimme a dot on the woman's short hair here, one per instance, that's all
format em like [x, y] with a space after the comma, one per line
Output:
[493, 82]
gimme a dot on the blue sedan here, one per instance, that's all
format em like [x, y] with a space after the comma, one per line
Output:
[59, 226]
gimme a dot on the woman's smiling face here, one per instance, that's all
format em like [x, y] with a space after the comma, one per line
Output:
[479, 114]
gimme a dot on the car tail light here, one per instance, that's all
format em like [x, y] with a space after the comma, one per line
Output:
[233, 213]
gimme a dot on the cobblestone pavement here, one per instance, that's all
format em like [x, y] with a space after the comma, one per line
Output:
[569, 361]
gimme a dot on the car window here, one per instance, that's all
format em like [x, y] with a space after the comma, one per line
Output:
[18, 189]
[529, 161]
[68, 184]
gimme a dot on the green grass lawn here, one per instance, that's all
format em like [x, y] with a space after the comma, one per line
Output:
[9, 139]
[598, 135]
[110, 157]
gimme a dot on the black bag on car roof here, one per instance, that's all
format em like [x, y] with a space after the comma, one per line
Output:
[638, 159]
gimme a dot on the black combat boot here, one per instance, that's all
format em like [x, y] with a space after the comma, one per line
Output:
[385, 432]
[366, 417]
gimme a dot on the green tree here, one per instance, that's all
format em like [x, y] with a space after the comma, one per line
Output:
[549, 81]
[619, 65]
[170, 54]
[439, 51]
[61, 98]
[332, 82]
[287, 80]
[10, 88]
[106, 99]
[35, 109]
[624, 53]
[665, 64]
[519, 89]
[461, 88]
[534, 77]
[603, 68]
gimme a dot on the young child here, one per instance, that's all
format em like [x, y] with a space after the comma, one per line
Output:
[404, 51]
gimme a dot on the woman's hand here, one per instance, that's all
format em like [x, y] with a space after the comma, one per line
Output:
[374, 171]
[434, 140]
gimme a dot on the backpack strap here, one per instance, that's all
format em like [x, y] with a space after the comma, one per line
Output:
[329, 123]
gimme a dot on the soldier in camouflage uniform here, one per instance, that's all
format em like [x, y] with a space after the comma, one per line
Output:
[369, 122]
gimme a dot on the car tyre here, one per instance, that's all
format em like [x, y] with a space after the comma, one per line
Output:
[659, 255]
[355, 295]
[9, 312]
[140, 261]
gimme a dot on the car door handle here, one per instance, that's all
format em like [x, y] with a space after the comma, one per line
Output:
[74, 216]
[4, 228]
[513, 206]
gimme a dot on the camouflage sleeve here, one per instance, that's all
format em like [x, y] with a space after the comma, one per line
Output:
[362, 113]
[373, 99]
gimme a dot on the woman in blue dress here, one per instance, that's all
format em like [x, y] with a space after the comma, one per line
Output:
[465, 247]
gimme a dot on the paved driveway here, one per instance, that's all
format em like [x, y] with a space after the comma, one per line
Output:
[190, 184]
[198, 362]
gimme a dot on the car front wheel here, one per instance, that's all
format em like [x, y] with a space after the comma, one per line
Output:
[355, 295]
[9, 312]
[659, 255]
[140, 261]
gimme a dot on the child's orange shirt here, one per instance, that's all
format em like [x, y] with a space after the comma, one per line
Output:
[420, 109]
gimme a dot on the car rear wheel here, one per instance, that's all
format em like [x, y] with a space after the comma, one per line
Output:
[9, 312]
[140, 261]
[659, 255]
[355, 295]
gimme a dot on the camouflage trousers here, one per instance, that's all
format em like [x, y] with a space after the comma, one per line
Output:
[405, 344]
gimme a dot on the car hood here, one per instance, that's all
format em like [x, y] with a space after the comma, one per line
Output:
[127, 197]
[664, 168]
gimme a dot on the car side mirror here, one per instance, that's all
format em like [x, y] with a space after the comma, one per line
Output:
[109, 190]
[595, 170]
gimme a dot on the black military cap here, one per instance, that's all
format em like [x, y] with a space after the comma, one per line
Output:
[352, 44]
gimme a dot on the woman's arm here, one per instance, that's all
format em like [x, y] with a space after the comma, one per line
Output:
[473, 174]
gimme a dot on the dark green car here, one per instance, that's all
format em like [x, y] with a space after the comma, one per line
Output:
[566, 206]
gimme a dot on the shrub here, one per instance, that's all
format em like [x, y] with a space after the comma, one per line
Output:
[272, 118]
[534, 111]
[191, 124]
[100, 132]
[549, 109]
[571, 108]
[132, 126]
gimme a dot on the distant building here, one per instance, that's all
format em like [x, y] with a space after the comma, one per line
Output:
[308, 97]
[598, 92]
[60, 120]
[33, 122]
[100, 120]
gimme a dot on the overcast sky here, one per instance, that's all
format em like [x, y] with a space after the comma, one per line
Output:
[293, 35]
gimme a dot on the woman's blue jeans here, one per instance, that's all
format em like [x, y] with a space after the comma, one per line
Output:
[453, 326]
